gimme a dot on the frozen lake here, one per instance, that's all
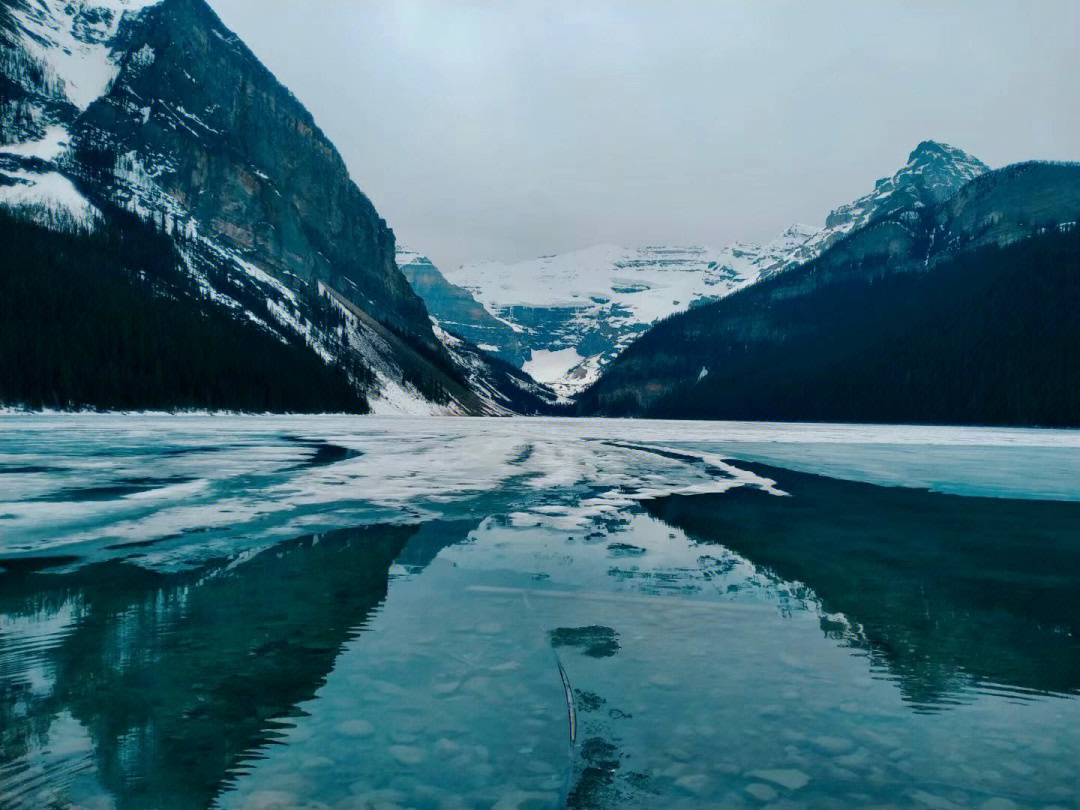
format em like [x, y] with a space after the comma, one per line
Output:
[338, 612]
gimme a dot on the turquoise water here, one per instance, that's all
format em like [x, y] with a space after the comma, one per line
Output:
[335, 613]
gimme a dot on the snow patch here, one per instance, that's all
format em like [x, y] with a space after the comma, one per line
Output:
[547, 366]
[49, 191]
[75, 41]
[393, 397]
[49, 148]
[263, 277]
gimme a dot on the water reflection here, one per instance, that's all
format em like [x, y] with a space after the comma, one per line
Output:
[174, 682]
[738, 650]
[949, 593]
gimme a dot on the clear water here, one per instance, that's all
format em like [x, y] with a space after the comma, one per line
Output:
[376, 613]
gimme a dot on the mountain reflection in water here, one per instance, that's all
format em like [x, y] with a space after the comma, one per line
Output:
[845, 645]
[948, 592]
[177, 677]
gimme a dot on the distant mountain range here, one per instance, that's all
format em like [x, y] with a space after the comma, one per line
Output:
[564, 317]
[154, 108]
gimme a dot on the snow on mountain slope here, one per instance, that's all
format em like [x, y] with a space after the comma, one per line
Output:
[51, 146]
[934, 172]
[31, 182]
[49, 197]
[75, 39]
[502, 388]
[574, 312]
[60, 56]
[393, 394]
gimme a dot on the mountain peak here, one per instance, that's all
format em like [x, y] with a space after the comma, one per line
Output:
[944, 156]
[930, 147]
[934, 171]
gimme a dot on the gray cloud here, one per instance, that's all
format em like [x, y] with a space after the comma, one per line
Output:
[508, 130]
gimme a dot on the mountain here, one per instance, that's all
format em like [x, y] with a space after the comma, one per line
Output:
[957, 312]
[155, 108]
[934, 172]
[456, 310]
[571, 314]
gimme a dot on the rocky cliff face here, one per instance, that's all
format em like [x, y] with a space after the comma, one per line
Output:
[155, 107]
[195, 112]
[934, 172]
[458, 312]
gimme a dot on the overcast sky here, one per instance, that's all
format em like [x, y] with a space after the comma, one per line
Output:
[509, 130]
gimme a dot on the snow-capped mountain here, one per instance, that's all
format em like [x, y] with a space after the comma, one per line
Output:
[572, 313]
[934, 172]
[154, 107]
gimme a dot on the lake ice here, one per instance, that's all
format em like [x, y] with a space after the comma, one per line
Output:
[332, 612]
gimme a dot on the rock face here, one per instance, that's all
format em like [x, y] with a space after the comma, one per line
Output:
[951, 312]
[457, 311]
[153, 106]
[223, 140]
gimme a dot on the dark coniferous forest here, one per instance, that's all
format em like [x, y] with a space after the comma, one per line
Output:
[106, 319]
[987, 337]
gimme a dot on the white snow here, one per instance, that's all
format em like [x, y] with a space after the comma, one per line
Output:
[52, 146]
[649, 283]
[75, 41]
[262, 276]
[51, 191]
[396, 399]
[548, 366]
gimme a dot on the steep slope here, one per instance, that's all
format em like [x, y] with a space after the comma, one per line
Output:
[154, 106]
[472, 382]
[502, 387]
[193, 108]
[572, 313]
[457, 311]
[961, 312]
[129, 329]
[934, 172]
